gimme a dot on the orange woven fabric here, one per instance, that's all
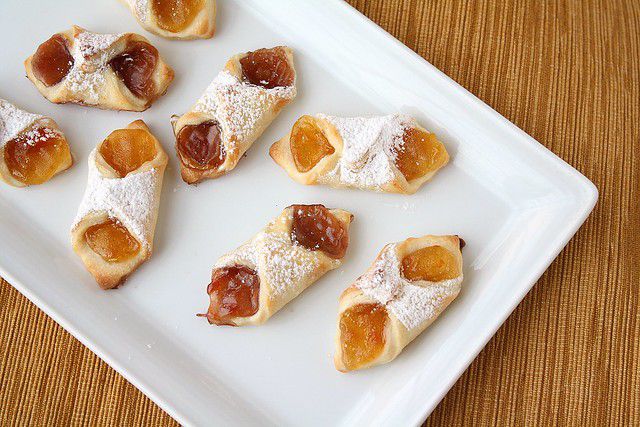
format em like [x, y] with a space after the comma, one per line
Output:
[568, 73]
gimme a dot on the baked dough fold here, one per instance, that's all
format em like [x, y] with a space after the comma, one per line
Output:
[363, 153]
[410, 306]
[133, 201]
[201, 26]
[91, 79]
[284, 267]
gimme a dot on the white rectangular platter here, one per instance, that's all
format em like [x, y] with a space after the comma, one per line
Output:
[514, 202]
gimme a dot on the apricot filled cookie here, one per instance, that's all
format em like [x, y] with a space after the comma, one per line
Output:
[236, 108]
[32, 147]
[251, 283]
[114, 227]
[110, 71]
[406, 288]
[176, 19]
[388, 153]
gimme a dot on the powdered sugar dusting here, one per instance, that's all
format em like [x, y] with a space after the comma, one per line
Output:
[141, 8]
[91, 53]
[369, 151]
[131, 199]
[239, 107]
[14, 121]
[273, 256]
[411, 303]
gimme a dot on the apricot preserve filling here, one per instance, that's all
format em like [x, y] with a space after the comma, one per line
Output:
[175, 15]
[125, 150]
[362, 335]
[315, 228]
[308, 144]
[268, 68]
[234, 291]
[200, 146]
[420, 154]
[433, 263]
[112, 241]
[52, 61]
[35, 156]
[135, 67]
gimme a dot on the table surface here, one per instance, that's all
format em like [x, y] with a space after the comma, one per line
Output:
[568, 73]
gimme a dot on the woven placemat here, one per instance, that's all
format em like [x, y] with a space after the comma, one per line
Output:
[568, 73]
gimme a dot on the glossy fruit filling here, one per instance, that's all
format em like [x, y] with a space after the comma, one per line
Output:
[176, 15]
[308, 144]
[35, 156]
[315, 228]
[135, 66]
[234, 292]
[112, 241]
[52, 61]
[268, 68]
[420, 154]
[362, 335]
[125, 150]
[200, 146]
[433, 263]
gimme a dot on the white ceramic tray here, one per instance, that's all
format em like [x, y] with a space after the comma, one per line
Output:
[514, 202]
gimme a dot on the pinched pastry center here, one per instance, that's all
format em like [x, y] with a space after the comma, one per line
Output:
[316, 228]
[52, 61]
[112, 241]
[200, 146]
[308, 144]
[135, 67]
[176, 15]
[362, 334]
[268, 68]
[420, 154]
[35, 156]
[234, 291]
[125, 150]
[433, 263]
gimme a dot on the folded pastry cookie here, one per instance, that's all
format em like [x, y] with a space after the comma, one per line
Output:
[114, 227]
[406, 288]
[251, 283]
[110, 71]
[387, 153]
[32, 147]
[233, 112]
[176, 19]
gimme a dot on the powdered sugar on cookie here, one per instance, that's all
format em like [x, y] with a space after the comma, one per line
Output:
[411, 303]
[240, 108]
[369, 151]
[141, 8]
[91, 53]
[132, 200]
[14, 121]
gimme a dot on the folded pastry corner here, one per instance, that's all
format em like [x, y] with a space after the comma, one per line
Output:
[406, 288]
[115, 224]
[240, 103]
[109, 71]
[251, 283]
[176, 19]
[32, 147]
[392, 153]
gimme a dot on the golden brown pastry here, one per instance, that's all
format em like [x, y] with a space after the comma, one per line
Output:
[32, 147]
[176, 19]
[110, 71]
[251, 283]
[406, 288]
[236, 108]
[390, 154]
[114, 227]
